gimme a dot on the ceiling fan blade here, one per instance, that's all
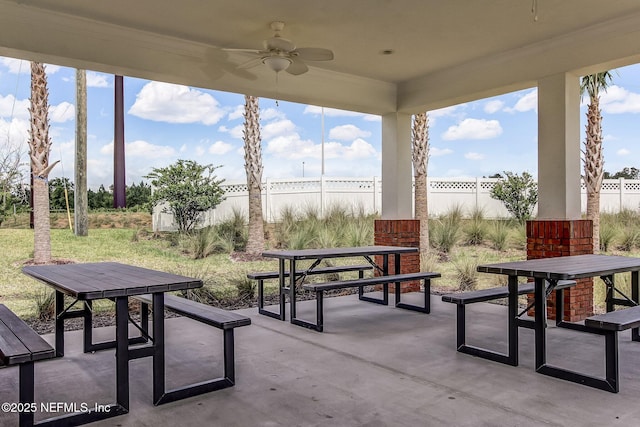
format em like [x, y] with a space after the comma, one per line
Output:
[250, 63]
[297, 67]
[216, 63]
[314, 54]
[233, 49]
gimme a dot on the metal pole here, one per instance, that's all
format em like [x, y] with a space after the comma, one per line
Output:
[119, 195]
[322, 144]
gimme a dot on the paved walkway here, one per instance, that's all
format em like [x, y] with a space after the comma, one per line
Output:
[373, 366]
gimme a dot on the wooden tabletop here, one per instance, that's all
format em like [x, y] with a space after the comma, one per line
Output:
[337, 252]
[565, 268]
[108, 279]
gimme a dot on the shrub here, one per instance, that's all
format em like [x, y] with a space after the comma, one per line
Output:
[233, 230]
[518, 193]
[498, 235]
[445, 234]
[475, 232]
[466, 272]
[359, 233]
[630, 238]
[608, 233]
[45, 301]
[189, 189]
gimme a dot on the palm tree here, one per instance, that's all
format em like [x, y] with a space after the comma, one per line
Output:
[39, 147]
[420, 158]
[592, 84]
[253, 168]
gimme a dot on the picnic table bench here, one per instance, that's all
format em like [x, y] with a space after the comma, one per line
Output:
[225, 320]
[261, 276]
[608, 324]
[320, 288]
[20, 345]
[462, 299]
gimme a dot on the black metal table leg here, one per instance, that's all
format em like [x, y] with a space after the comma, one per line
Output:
[158, 347]
[59, 324]
[635, 295]
[122, 352]
[540, 327]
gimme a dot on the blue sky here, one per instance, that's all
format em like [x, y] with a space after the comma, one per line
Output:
[166, 122]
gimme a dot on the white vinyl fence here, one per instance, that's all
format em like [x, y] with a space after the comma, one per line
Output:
[365, 195]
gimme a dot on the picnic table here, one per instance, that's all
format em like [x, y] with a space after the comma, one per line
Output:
[288, 262]
[547, 272]
[109, 280]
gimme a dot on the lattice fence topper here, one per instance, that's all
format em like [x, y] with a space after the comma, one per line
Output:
[366, 192]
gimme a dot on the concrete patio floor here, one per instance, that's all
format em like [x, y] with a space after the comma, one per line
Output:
[373, 366]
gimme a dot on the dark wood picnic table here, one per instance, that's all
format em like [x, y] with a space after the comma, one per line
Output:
[110, 280]
[292, 257]
[552, 270]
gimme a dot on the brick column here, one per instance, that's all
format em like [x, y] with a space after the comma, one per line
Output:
[554, 238]
[400, 232]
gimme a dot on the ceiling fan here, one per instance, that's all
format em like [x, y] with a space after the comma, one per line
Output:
[280, 54]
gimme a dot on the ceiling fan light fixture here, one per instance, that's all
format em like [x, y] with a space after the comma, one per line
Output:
[277, 63]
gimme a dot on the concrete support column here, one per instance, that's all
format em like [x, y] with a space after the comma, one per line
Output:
[558, 229]
[397, 176]
[397, 226]
[559, 147]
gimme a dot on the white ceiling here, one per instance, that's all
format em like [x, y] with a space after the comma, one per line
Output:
[445, 51]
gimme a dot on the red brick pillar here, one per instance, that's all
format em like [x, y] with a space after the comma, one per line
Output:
[554, 238]
[400, 232]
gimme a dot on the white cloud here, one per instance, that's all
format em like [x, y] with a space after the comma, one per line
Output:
[220, 148]
[51, 69]
[235, 132]
[528, 102]
[493, 106]
[142, 149]
[16, 66]
[452, 110]
[348, 133]
[62, 112]
[18, 107]
[333, 112]
[618, 100]
[271, 114]
[474, 156]
[435, 151]
[291, 147]
[98, 79]
[277, 128]
[623, 152]
[14, 134]
[236, 113]
[359, 149]
[473, 129]
[164, 102]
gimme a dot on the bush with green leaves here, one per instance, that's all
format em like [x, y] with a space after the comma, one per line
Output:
[519, 193]
[188, 189]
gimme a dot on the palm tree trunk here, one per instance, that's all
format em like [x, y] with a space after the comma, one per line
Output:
[593, 205]
[39, 148]
[41, 225]
[253, 169]
[420, 158]
[594, 168]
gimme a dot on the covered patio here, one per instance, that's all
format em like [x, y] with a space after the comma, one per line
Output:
[373, 366]
[393, 59]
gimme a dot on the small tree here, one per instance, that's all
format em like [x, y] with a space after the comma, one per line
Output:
[518, 193]
[189, 189]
